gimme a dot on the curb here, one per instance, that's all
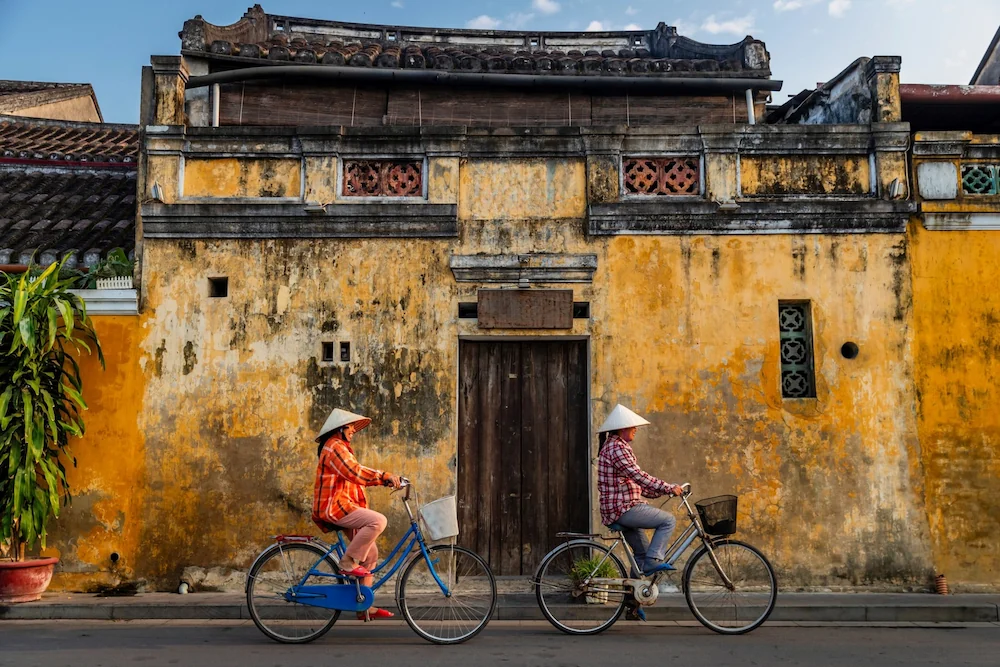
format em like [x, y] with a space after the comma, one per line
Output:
[938, 613]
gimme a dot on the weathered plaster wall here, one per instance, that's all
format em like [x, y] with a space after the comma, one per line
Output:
[108, 483]
[242, 177]
[957, 325]
[683, 329]
[810, 174]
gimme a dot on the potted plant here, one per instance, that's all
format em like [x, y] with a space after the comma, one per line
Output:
[595, 567]
[42, 326]
[113, 272]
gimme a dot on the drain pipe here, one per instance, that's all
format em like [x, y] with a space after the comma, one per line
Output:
[215, 105]
[751, 118]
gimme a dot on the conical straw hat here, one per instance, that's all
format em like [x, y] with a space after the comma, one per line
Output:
[621, 417]
[340, 418]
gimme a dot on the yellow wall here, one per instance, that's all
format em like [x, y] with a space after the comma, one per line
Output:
[242, 177]
[808, 174]
[957, 325]
[683, 329]
[80, 109]
[108, 484]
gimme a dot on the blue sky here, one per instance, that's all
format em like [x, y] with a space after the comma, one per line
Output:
[106, 42]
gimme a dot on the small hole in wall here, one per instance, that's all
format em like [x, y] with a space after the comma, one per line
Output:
[468, 311]
[218, 287]
[345, 351]
[327, 351]
[581, 310]
[115, 557]
[849, 350]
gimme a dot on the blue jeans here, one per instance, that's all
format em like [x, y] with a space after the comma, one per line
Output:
[644, 516]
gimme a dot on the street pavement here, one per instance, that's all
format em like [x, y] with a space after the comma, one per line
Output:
[221, 643]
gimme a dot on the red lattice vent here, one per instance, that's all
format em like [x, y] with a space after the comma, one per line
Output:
[383, 178]
[661, 175]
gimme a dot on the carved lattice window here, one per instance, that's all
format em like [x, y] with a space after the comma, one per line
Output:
[795, 325]
[662, 175]
[980, 179]
[383, 178]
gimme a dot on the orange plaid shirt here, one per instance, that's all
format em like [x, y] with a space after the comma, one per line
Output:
[340, 482]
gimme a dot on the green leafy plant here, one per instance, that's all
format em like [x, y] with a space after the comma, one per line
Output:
[597, 567]
[42, 326]
[115, 265]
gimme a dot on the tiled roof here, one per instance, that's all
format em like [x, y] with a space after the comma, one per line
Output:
[260, 36]
[62, 140]
[17, 95]
[66, 187]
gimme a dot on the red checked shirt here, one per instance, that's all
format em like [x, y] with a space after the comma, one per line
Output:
[621, 483]
[340, 482]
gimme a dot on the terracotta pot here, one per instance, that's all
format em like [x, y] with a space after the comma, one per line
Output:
[25, 581]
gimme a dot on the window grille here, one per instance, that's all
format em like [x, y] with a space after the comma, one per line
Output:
[383, 178]
[980, 179]
[662, 176]
[795, 326]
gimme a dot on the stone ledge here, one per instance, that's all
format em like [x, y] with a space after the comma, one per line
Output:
[109, 301]
[962, 222]
[796, 216]
[258, 221]
[534, 268]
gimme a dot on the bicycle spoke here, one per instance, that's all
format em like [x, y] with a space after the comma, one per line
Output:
[744, 605]
[571, 605]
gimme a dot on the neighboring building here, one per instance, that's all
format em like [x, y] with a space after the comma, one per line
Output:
[988, 72]
[485, 240]
[66, 187]
[953, 250]
[55, 101]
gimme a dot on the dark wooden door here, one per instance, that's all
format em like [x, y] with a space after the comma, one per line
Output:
[523, 449]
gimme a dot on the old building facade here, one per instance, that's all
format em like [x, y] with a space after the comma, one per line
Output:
[484, 241]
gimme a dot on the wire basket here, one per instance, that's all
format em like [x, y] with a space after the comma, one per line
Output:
[718, 514]
[440, 518]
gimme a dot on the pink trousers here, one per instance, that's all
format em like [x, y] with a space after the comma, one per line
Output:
[363, 526]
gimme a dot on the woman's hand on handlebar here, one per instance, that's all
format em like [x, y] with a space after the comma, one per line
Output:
[394, 481]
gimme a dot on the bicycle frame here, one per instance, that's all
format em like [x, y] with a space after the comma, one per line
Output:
[674, 551]
[413, 537]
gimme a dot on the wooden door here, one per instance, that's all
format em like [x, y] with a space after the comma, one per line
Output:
[523, 449]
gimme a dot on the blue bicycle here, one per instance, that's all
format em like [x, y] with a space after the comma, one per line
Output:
[295, 591]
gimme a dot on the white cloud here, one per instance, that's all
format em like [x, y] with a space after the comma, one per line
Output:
[738, 26]
[959, 61]
[684, 27]
[838, 8]
[632, 26]
[788, 5]
[397, 4]
[483, 22]
[545, 6]
[631, 11]
[595, 26]
[518, 20]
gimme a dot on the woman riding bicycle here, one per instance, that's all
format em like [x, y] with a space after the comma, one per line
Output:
[339, 500]
[622, 485]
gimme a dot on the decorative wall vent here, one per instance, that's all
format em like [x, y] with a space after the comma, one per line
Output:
[980, 179]
[797, 376]
[662, 175]
[383, 178]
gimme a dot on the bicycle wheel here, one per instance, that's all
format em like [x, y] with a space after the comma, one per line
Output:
[743, 607]
[278, 569]
[571, 607]
[461, 614]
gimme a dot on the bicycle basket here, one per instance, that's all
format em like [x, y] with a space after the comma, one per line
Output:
[718, 514]
[440, 518]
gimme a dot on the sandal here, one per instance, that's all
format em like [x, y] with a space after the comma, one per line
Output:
[358, 572]
[370, 615]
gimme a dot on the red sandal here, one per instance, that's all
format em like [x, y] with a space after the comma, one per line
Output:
[371, 616]
[358, 572]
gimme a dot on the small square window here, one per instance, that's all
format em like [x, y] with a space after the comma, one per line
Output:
[468, 311]
[327, 351]
[581, 310]
[218, 288]
[345, 351]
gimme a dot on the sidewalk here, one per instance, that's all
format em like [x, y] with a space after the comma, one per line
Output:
[812, 607]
